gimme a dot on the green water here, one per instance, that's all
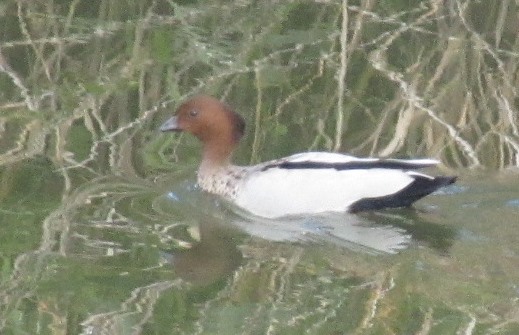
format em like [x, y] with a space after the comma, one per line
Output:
[102, 227]
[119, 255]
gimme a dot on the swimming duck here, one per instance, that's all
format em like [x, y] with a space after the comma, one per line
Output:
[301, 184]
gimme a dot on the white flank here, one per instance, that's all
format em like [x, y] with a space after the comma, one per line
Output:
[281, 192]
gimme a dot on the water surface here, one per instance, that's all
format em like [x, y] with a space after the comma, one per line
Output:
[104, 231]
[119, 255]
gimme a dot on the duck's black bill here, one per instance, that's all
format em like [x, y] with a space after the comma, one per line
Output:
[170, 125]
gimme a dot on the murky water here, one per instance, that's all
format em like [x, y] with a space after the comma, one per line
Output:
[104, 231]
[120, 255]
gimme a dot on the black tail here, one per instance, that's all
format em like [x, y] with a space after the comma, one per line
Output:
[419, 188]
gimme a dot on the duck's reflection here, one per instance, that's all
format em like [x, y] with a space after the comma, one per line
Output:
[376, 232]
[348, 231]
[215, 257]
[424, 227]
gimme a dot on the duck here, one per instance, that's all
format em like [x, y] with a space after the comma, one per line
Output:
[307, 183]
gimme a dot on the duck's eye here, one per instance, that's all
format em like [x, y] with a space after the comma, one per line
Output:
[193, 112]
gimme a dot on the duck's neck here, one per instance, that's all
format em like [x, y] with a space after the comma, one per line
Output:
[216, 156]
[217, 175]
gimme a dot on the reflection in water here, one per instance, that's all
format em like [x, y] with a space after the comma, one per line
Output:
[216, 256]
[349, 231]
[419, 225]
[84, 222]
[110, 235]
[384, 231]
